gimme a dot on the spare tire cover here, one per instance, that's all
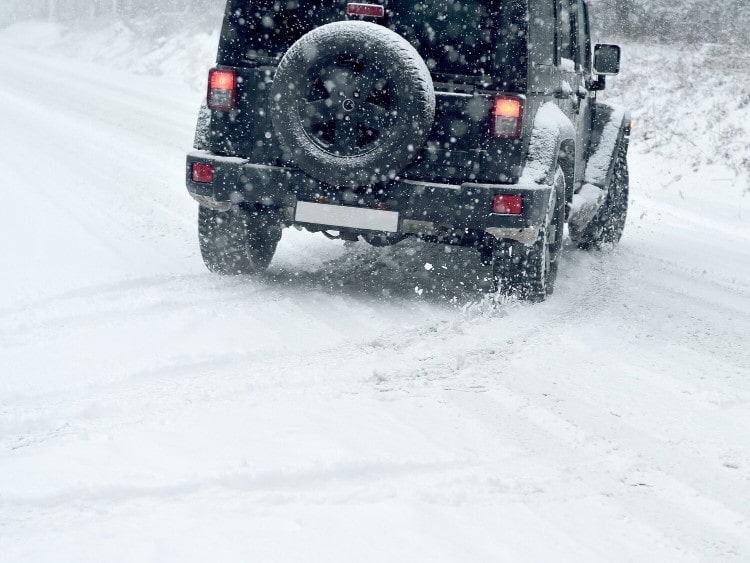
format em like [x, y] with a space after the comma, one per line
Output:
[352, 103]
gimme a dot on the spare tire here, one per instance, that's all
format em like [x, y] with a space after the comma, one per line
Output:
[352, 103]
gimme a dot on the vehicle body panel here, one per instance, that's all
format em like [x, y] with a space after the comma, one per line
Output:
[461, 166]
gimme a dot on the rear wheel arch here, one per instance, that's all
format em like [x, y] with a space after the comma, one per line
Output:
[552, 137]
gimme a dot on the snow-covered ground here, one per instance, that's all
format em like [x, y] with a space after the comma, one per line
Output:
[353, 404]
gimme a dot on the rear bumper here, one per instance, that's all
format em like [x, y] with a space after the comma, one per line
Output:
[421, 206]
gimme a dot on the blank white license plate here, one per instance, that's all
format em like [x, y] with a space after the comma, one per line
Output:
[352, 217]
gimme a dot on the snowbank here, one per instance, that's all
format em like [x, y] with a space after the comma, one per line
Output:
[691, 106]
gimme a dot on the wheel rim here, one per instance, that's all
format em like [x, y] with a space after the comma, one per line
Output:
[346, 108]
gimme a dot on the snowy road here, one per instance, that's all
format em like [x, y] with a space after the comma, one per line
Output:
[352, 404]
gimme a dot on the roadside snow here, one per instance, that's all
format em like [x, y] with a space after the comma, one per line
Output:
[691, 107]
[180, 49]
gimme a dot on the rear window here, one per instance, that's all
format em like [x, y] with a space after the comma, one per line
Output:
[463, 37]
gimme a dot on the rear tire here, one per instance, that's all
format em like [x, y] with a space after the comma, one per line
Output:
[607, 226]
[239, 241]
[529, 272]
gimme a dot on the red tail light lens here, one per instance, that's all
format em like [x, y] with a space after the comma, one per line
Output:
[203, 173]
[507, 204]
[222, 89]
[367, 10]
[507, 117]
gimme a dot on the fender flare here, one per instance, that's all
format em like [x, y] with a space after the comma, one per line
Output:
[610, 130]
[552, 132]
[553, 137]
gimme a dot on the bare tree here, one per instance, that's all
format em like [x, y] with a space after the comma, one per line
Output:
[52, 10]
[622, 14]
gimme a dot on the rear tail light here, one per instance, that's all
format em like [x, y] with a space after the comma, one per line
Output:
[366, 10]
[203, 173]
[222, 89]
[507, 117]
[507, 204]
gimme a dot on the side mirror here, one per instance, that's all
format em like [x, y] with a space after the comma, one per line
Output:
[607, 59]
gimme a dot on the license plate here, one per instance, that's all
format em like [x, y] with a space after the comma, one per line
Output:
[342, 216]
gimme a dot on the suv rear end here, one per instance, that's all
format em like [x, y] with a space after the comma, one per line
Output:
[441, 156]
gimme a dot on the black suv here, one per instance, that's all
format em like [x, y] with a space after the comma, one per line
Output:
[462, 122]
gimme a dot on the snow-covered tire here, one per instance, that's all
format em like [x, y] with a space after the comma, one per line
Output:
[607, 225]
[352, 103]
[529, 272]
[238, 241]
